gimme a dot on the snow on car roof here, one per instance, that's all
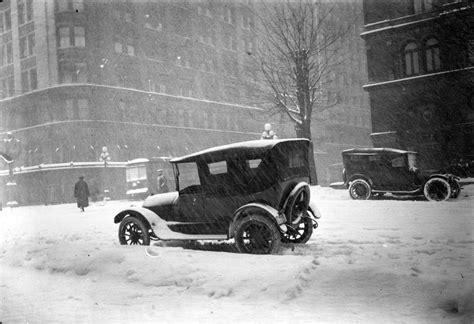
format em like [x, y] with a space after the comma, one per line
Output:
[258, 146]
[374, 150]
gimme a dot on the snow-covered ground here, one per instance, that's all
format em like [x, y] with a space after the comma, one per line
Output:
[393, 260]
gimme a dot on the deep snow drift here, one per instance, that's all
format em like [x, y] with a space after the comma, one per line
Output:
[391, 260]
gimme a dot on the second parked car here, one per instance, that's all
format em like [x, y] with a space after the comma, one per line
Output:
[370, 172]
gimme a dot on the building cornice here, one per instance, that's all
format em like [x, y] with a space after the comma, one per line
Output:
[411, 20]
[155, 94]
[101, 121]
[421, 78]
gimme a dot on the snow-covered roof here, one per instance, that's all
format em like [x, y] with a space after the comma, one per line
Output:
[256, 146]
[373, 150]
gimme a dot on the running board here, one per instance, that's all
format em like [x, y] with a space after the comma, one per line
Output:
[164, 233]
[398, 192]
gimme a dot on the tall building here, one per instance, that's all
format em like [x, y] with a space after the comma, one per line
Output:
[346, 123]
[79, 64]
[420, 65]
[142, 78]
[147, 78]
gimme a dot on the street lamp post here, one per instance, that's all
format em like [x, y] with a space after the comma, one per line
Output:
[12, 147]
[105, 157]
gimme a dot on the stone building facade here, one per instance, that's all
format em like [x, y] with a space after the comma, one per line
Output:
[420, 69]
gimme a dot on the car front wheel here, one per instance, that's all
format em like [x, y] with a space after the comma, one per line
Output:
[256, 234]
[132, 231]
[360, 189]
[437, 189]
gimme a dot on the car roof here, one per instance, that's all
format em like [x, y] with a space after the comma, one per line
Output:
[374, 151]
[256, 147]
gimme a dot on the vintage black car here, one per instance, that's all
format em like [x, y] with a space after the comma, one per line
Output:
[372, 172]
[255, 192]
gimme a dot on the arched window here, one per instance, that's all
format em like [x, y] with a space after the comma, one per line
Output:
[432, 62]
[411, 60]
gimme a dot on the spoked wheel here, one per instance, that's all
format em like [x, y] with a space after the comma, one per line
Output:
[360, 190]
[455, 189]
[437, 189]
[300, 233]
[133, 231]
[257, 234]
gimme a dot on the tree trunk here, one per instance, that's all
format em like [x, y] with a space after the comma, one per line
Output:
[304, 131]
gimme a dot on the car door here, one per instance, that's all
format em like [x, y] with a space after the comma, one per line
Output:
[191, 196]
[397, 175]
[224, 194]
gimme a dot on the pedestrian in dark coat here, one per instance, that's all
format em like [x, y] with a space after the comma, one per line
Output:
[81, 192]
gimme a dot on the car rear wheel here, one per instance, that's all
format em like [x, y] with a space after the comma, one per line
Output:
[360, 189]
[257, 234]
[299, 233]
[455, 189]
[132, 231]
[437, 189]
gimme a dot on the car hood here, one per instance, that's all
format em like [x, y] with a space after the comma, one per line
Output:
[164, 199]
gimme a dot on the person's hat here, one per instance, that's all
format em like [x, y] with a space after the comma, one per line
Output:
[81, 177]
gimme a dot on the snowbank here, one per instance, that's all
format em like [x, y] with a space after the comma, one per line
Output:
[392, 260]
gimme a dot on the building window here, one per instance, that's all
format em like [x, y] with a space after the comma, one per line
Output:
[29, 80]
[229, 16]
[79, 37]
[27, 46]
[21, 13]
[118, 47]
[29, 10]
[64, 37]
[8, 20]
[33, 79]
[124, 48]
[70, 5]
[130, 50]
[7, 87]
[470, 50]
[83, 108]
[128, 17]
[2, 27]
[72, 73]
[23, 47]
[410, 59]
[9, 53]
[433, 62]
[422, 5]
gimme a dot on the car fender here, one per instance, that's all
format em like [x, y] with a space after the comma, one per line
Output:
[144, 214]
[446, 177]
[264, 209]
[314, 210]
[358, 176]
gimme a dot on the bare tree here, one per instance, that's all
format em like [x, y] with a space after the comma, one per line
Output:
[298, 47]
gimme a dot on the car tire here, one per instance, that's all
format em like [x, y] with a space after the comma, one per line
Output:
[360, 189]
[455, 189]
[132, 231]
[437, 189]
[304, 230]
[257, 234]
[297, 203]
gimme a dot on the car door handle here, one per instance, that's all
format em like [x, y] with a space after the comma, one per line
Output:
[194, 201]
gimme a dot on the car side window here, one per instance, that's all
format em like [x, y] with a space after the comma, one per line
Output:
[398, 162]
[188, 177]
